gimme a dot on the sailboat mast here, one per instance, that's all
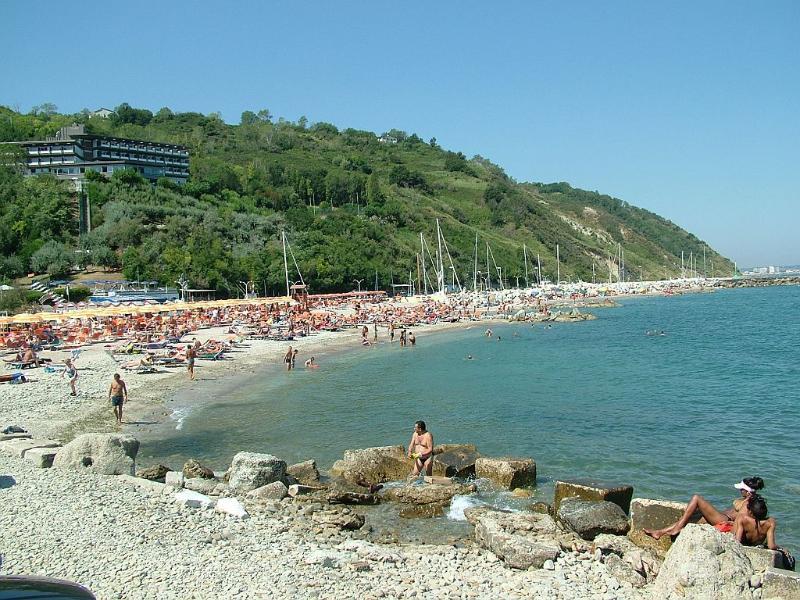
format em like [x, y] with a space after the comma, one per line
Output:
[441, 262]
[558, 265]
[424, 269]
[475, 270]
[285, 264]
[488, 274]
[525, 258]
[539, 265]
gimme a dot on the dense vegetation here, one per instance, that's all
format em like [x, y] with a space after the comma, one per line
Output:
[352, 203]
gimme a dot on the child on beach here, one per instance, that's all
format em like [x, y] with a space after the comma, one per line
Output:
[72, 375]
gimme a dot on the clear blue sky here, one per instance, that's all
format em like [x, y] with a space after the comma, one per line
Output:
[688, 109]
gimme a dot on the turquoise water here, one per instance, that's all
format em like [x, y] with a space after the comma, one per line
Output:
[694, 411]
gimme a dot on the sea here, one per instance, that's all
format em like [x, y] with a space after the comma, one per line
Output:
[673, 395]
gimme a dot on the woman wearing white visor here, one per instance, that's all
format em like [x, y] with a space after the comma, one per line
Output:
[723, 521]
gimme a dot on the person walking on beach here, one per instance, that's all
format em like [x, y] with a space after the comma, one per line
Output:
[421, 449]
[72, 375]
[288, 358]
[118, 394]
[191, 354]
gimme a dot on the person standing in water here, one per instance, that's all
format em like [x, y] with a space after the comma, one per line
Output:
[421, 449]
[288, 358]
[411, 339]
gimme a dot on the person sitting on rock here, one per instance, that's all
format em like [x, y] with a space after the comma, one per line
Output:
[752, 526]
[722, 520]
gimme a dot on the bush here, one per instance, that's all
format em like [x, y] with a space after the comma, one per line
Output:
[53, 258]
[78, 293]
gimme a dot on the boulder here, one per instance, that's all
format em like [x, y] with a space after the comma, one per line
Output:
[521, 540]
[250, 470]
[104, 453]
[541, 507]
[704, 563]
[232, 507]
[342, 519]
[154, 473]
[4, 437]
[198, 484]
[428, 494]
[276, 490]
[588, 519]
[653, 514]
[175, 479]
[780, 584]
[191, 499]
[305, 473]
[345, 497]
[764, 558]
[376, 465]
[456, 461]
[623, 571]
[587, 489]
[507, 472]
[42, 458]
[643, 561]
[193, 469]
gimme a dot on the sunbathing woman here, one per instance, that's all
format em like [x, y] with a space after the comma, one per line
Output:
[711, 515]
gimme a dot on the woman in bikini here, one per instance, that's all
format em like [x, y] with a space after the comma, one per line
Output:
[752, 527]
[720, 520]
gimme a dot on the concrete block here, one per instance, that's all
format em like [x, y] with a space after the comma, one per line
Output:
[780, 584]
[653, 514]
[192, 499]
[763, 558]
[42, 458]
[18, 447]
[174, 479]
[589, 489]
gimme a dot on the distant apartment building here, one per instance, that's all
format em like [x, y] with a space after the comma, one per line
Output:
[73, 152]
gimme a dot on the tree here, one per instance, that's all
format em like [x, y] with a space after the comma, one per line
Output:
[46, 109]
[433, 143]
[374, 193]
[248, 118]
[264, 115]
[53, 258]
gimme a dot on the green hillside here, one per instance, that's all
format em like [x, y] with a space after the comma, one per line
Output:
[352, 204]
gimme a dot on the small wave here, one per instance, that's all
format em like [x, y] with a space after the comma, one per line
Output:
[459, 504]
[179, 416]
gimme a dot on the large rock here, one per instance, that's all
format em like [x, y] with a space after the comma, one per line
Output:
[18, 447]
[643, 561]
[305, 473]
[456, 462]
[589, 489]
[154, 473]
[191, 499]
[104, 453]
[763, 558]
[779, 584]
[509, 473]
[704, 563]
[588, 519]
[175, 479]
[428, 493]
[276, 490]
[250, 470]
[199, 484]
[653, 514]
[375, 465]
[193, 469]
[42, 458]
[521, 540]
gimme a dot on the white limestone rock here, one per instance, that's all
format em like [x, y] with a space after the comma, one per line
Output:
[250, 470]
[191, 499]
[103, 453]
[232, 507]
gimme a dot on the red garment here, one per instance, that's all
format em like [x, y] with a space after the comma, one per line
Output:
[724, 527]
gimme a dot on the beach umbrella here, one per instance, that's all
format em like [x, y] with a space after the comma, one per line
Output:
[26, 318]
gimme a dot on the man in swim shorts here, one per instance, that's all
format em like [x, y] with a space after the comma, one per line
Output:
[118, 394]
[421, 449]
